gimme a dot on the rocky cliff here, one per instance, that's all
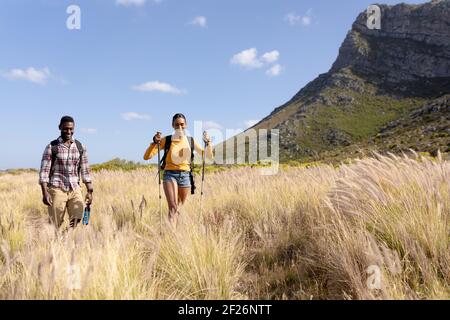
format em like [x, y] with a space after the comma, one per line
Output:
[409, 55]
[379, 77]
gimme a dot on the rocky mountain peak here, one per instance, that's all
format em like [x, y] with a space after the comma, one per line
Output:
[410, 54]
[380, 76]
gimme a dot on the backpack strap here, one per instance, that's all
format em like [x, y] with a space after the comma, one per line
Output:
[80, 151]
[191, 140]
[191, 173]
[166, 151]
[54, 146]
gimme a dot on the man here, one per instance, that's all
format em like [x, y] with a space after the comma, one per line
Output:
[63, 162]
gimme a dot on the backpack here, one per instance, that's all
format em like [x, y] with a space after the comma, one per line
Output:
[166, 151]
[54, 145]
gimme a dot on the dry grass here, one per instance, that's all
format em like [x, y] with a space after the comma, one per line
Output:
[306, 233]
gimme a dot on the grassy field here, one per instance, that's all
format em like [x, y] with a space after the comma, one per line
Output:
[375, 229]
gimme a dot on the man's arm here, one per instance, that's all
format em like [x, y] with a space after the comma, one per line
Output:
[86, 176]
[44, 175]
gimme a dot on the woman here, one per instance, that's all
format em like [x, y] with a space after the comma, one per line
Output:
[176, 178]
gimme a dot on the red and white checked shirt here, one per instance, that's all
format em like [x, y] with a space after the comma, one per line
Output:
[65, 169]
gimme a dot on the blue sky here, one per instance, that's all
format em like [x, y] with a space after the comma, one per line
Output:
[134, 63]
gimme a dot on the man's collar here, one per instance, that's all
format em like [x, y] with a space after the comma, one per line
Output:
[60, 140]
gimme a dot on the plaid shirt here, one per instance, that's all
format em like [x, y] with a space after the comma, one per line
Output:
[65, 170]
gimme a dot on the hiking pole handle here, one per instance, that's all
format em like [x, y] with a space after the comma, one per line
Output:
[158, 136]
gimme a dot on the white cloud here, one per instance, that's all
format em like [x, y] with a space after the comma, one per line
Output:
[136, 3]
[130, 116]
[211, 125]
[250, 123]
[158, 86]
[292, 18]
[270, 57]
[295, 19]
[306, 20]
[247, 58]
[89, 130]
[274, 70]
[128, 3]
[199, 21]
[31, 74]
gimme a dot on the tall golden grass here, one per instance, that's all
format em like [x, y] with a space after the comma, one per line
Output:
[305, 233]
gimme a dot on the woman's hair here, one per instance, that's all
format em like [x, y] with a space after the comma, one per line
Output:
[178, 115]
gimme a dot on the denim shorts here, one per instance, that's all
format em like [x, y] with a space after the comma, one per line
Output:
[182, 178]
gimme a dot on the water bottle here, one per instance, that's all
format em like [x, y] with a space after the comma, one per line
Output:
[86, 215]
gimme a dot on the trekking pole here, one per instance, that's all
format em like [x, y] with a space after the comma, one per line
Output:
[159, 183]
[203, 178]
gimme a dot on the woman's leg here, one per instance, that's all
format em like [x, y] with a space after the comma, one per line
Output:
[184, 188]
[182, 195]
[171, 192]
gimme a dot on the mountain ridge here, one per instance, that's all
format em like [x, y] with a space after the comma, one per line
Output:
[378, 77]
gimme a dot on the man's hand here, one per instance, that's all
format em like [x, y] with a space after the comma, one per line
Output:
[90, 191]
[47, 198]
[89, 198]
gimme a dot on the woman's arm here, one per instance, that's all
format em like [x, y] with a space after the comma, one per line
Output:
[152, 150]
[209, 150]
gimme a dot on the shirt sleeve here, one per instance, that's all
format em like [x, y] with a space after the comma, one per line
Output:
[85, 170]
[152, 150]
[209, 150]
[46, 163]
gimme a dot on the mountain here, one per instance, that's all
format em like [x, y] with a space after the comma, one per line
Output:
[386, 91]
